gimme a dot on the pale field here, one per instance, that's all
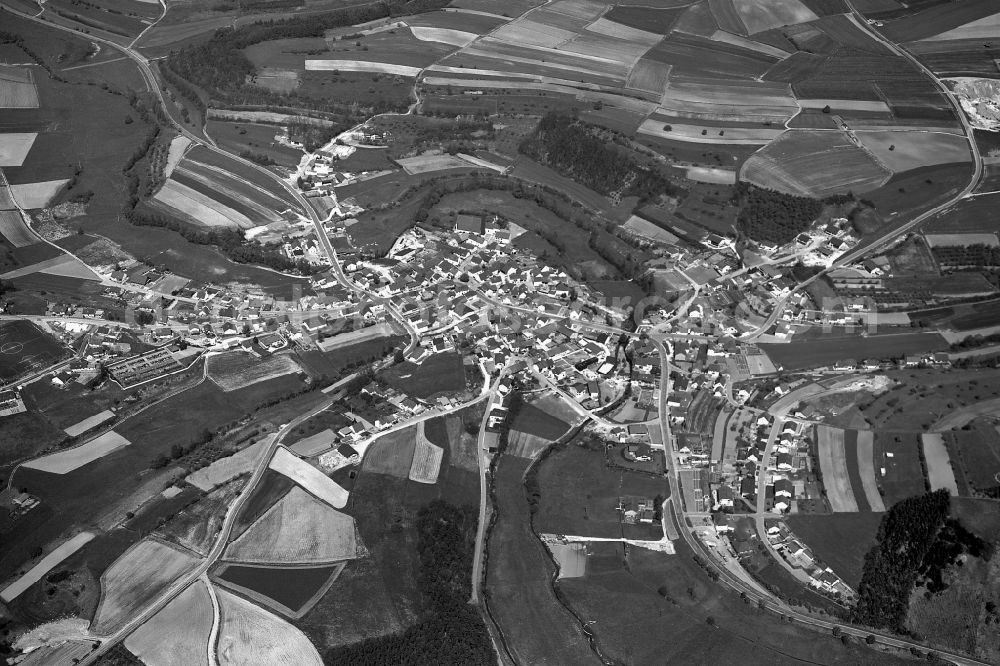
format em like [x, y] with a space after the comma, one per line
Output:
[866, 468]
[492, 84]
[237, 370]
[45, 565]
[66, 461]
[833, 464]
[739, 40]
[198, 207]
[649, 75]
[711, 175]
[177, 635]
[845, 104]
[37, 195]
[479, 162]
[985, 28]
[939, 471]
[583, 9]
[279, 80]
[297, 529]
[360, 66]
[616, 51]
[730, 103]
[525, 445]
[65, 654]
[178, 146]
[354, 337]
[228, 468]
[63, 629]
[426, 463]
[646, 228]
[266, 117]
[309, 477]
[14, 147]
[693, 133]
[570, 557]
[912, 150]
[17, 88]
[88, 423]
[761, 15]
[14, 229]
[314, 444]
[444, 36]
[445, 69]
[951, 240]
[503, 54]
[525, 32]
[427, 163]
[141, 573]
[252, 636]
[603, 26]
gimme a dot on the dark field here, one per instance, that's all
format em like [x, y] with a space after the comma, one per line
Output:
[904, 476]
[910, 192]
[291, 587]
[238, 137]
[969, 215]
[534, 421]
[25, 348]
[841, 540]
[518, 591]
[828, 350]
[272, 487]
[441, 373]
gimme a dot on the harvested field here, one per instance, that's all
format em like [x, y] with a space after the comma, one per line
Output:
[290, 590]
[17, 88]
[310, 478]
[742, 42]
[845, 105]
[902, 151]
[748, 102]
[603, 26]
[708, 134]
[297, 529]
[647, 19]
[581, 9]
[645, 228]
[14, 229]
[985, 28]
[312, 65]
[761, 15]
[939, 471]
[198, 208]
[392, 454]
[814, 163]
[89, 423]
[228, 468]
[136, 577]
[521, 444]
[458, 38]
[178, 635]
[251, 635]
[427, 163]
[63, 265]
[236, 370]
[711, 175]
[14, 148]
[66, 461]
[833, 464]
[426, 463]
[46, 564]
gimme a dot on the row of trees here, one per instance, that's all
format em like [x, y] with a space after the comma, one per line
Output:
[967, 255]
[453, 632]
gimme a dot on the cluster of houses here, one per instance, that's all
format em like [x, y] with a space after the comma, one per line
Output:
[799, 556]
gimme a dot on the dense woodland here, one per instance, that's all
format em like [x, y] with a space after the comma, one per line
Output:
[453, 632]
[573, 149]
[967, 255]
[775, 217]
[905, 537]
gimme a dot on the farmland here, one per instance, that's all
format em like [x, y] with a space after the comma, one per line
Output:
[297, 529]
[240, 369]
[17, 88]
[828, 350]
[179, 633]
[249, 634]
[135, 578]
[439, 374]
[310, 478]
[841, 540]
[392, 454]
[69, 460]
[426, 463]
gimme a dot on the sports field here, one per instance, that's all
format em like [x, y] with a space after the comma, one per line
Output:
[24, 347]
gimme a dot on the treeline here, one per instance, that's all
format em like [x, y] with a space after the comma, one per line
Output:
[771, 216]
[219, 66]
[967, 255]
[904, 538]
[975, 341]
[454, 632]
[573, 149]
